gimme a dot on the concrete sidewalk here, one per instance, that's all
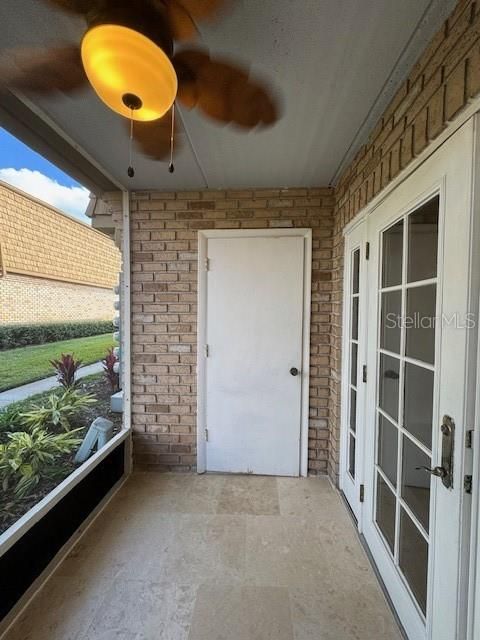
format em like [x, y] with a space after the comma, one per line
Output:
[27, 390]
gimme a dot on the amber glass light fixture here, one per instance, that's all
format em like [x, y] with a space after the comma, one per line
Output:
[129, 72]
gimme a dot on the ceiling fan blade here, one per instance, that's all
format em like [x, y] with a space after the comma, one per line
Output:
[76, 6]
[181, 22]
[202, 9]
[182, 15]
[43, 70]
[222, 91]
[153, 138]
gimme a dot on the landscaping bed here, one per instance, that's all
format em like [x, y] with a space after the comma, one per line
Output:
[27, 364]
[12, 507]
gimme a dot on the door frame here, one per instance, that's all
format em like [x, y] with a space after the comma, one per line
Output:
[203, 238]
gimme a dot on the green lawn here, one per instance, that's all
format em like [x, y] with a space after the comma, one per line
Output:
[26, 364]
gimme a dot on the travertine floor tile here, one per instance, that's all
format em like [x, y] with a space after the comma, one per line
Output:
[254, 495]
[174, 492]
[143, 610]
[314, 497]
[283, 551]
[242, 613]
[207, 549]
[113, 549]
[339, 611]
[61, 610]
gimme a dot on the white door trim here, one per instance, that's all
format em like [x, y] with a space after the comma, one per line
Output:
[472, 461]
[203, 237]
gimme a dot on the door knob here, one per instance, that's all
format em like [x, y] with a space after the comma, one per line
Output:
[294, 371]
[440, 472]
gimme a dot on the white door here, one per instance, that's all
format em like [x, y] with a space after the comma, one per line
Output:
[254, 366]
[419, 278]
[353, 364]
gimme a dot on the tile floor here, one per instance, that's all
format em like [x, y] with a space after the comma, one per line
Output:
[214, 557]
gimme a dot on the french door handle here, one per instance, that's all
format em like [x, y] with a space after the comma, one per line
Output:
[445, 472]
[440, 472]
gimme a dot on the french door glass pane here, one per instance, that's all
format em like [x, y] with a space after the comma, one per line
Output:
[385, 512]
[413, 559]
[416, 482]
[392, 255]
[418, 402]
[420, 323]
[423, 242]
[353, 410]
[387, 448]
[389, 385]
[355, 318]
[353, 373]
[391, 312]
[356, 271]
[351, 456]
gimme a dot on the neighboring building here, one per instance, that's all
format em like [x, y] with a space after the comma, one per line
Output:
[53, 268]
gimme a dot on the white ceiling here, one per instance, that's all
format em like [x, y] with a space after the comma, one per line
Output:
[334, 63]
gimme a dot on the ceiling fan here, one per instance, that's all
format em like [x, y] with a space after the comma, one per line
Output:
[127, 54]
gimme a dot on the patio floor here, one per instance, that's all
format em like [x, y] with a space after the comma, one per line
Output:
[214, 557]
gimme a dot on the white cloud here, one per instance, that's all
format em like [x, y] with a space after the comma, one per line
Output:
[72, 200]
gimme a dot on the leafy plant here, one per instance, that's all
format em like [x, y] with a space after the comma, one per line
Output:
[10, 418]
[66, 368]
[57, 411]
[109, 363]
[28, 458]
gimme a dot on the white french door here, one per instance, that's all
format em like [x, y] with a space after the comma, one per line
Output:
[353, 384]
[417, 335]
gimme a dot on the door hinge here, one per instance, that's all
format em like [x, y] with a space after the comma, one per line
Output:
[364, 373]
[206, 350]
[362, 492]
[469, 439]
[467, 484]
[206, 435]
[367, 251]
[207, 264]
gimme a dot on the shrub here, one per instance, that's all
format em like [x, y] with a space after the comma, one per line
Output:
[66, 368]
[57, 411]
[28, 458]
[109, 363]
[13, 336]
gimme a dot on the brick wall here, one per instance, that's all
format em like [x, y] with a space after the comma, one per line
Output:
[24, 299]
[443, 80]
[164, 299]
[38, 240]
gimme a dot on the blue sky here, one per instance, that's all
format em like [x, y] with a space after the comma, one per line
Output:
[27, 170]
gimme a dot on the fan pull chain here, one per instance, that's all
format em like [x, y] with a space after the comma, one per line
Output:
[131, 170]
[171, 166]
